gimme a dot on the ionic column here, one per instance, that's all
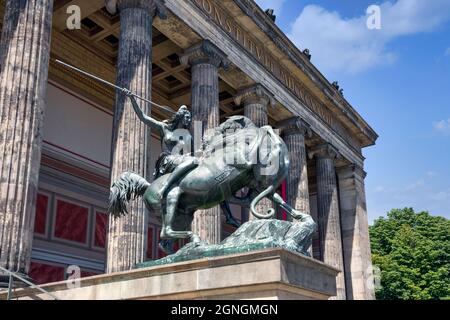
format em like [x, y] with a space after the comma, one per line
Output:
[328, 212]
[256, 99]
[205, 60]
[294, 131]
[131, 138]
[24, 62]
[355, 234]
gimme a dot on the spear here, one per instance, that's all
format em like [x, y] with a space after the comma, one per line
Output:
[165, 108]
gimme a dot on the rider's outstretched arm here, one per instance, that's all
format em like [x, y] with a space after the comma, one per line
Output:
[154, 124]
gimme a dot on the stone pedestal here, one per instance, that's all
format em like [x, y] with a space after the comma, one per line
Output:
[205, 60]
[256, 100]
[131, 138]
[328, 211]
[24, 61]
[265, 274]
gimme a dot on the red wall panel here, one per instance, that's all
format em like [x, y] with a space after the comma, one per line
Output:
[101, 223]
[41, 213]
[71, 221]
[44, 273]
[150, 243]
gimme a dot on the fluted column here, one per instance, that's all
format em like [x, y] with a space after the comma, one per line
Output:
[131, 138]
[294, 131]
[355, 234]
[328, 212]
[256, 100]
[205, 60]
[24, 61]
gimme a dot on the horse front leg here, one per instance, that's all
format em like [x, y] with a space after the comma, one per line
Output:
[167, 231]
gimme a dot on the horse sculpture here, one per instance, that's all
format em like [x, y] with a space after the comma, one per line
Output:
[237, 155]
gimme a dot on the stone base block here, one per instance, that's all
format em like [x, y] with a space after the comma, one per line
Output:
[263, 274]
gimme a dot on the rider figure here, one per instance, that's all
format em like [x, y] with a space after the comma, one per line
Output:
[170, 161]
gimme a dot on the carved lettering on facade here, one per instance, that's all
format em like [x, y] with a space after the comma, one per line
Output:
[258, 50]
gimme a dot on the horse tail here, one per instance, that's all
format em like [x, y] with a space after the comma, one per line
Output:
[128, 185]
[258, 198]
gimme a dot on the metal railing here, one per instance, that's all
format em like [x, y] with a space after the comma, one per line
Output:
[31, 285]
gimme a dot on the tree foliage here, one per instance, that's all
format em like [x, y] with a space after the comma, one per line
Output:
[412, 251]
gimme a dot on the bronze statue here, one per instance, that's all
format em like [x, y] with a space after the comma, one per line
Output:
[213, 179]
[171, 161]
[184, 183]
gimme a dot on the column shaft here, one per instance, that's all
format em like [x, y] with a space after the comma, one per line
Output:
[256, 100]
[297, 182]
[257, 112]
[205, 108]
[205, 95]
[294, 132]
[24, 62]
[205, 60]
[131, 137]
[355, 234]
[329, 216]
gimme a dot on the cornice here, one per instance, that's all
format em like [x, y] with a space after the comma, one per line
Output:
[263, 21]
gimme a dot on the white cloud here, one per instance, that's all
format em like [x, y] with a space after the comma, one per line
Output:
[276, 5]
[431, 174]
[346, 44]
[440, 196]
[442, 126]
[416, 185]
[447, 52]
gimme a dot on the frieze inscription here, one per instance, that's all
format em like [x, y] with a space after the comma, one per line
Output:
[259, 51]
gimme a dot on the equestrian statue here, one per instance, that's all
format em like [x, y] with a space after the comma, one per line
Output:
[236, 155]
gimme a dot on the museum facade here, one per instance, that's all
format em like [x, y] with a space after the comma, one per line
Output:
[64, 137]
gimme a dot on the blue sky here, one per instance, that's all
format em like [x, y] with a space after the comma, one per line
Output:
[397, 78]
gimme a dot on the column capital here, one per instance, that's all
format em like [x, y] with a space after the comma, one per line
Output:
[205, 52]
[254, 94]
[155, 7]
[294, 125]
[324, 151]
[351, 170]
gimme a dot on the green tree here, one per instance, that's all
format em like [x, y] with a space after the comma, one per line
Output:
[412, 251]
